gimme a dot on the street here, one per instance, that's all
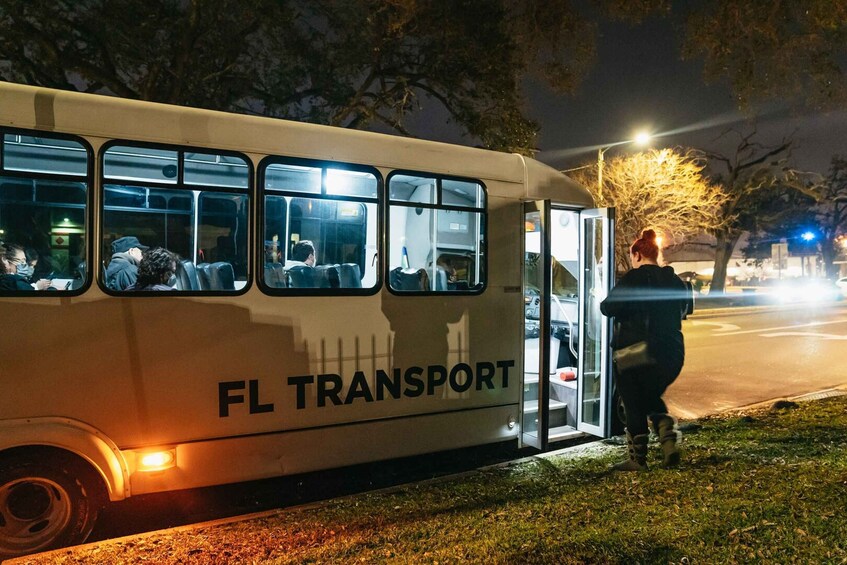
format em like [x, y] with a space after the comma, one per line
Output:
[737, 359]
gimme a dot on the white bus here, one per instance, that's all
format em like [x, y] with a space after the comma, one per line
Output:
[451, 300]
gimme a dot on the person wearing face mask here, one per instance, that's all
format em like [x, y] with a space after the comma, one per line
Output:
[32, 263]
[15, 272]
[123, 267]
[157, 270]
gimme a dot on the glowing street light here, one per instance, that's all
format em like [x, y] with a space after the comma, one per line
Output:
[808, 236]
[641, 139]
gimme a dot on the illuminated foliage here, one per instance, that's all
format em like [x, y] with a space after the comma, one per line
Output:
[663, 189]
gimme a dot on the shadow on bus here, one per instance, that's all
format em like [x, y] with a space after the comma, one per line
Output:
[177, 508]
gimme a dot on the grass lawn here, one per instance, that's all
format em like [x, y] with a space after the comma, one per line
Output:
[768, 487]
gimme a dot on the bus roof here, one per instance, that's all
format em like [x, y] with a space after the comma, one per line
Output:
[108, 117]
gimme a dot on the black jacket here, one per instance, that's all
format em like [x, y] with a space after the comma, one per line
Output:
[121, 272]
[648, 304]
[14, 282]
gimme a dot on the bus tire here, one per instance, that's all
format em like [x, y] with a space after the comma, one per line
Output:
[49, 498]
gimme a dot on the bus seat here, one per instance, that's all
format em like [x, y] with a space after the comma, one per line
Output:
[274, 276]
[203, 276]
[301, 277]
[326, 276]
[77, 282]
[221, 276]
[350, 275]
[186, 276]
[409, 279]
[440, 279]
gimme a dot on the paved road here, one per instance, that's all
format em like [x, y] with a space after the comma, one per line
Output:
[737, 359]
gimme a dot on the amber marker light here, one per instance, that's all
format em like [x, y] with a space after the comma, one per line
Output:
[157, 460]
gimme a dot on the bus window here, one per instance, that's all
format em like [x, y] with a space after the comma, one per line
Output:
[194, 204]
[436, 234]
[320, 227]
[44, 182]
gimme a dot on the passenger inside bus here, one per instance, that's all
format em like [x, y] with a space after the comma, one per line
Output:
[31, 265]
[15, 271]
[302, 255]
[156, 271]
[122, 271]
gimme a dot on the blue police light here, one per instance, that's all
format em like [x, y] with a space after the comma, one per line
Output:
[808, 236]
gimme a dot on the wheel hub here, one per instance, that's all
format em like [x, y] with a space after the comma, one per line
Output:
[33, 511]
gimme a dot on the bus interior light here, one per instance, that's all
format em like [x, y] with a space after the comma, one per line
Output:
[157, 460]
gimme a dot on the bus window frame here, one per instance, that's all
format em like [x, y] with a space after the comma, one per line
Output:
[438, 177]
[89, 203]
[323, 164]
[181, 150]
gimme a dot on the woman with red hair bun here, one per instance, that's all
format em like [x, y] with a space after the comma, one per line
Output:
[648, 304]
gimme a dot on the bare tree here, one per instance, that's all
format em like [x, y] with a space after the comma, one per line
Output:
[664, 189]
[828, 205]
[750, 176]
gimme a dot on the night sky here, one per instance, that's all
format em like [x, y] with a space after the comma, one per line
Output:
[638, 81]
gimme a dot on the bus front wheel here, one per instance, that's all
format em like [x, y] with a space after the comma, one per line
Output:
[48, 499]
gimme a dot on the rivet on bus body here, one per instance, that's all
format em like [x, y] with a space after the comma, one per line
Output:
[512, 422]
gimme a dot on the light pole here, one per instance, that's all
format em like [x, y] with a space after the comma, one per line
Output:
[641, 139]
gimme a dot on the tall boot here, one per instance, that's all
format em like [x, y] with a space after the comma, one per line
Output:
[637, 446]
[665, 427]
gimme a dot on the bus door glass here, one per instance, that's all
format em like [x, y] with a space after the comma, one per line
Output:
[536, 284]
[596, 261]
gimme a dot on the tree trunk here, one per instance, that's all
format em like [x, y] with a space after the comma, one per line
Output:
[828, 253]
[723, 252]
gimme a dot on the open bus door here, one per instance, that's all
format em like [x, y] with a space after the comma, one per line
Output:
[567, 261]
[536, 281]
[597, 263]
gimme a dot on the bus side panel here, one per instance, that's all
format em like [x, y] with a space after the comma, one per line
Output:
[227, 460]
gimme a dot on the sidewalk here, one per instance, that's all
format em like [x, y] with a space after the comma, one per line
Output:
[758, 485]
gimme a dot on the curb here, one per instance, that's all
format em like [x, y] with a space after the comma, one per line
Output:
[728, 310]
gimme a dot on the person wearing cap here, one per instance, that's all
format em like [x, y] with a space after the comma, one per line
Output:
[122, 271]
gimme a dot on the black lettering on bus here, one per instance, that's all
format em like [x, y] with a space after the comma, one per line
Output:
[225, 398]
[454, 377]
[329, 385]
[484, 374]
[359, 389]
[253, 394]
[431, 381]
[412, 378]
[392, 384]
[300, 383]
[505, 366]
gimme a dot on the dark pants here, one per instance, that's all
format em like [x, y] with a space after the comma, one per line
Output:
[641, 391]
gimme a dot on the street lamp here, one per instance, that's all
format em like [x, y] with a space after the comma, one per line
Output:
[641, 139]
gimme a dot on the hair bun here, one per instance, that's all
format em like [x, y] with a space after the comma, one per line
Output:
[648, 235]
